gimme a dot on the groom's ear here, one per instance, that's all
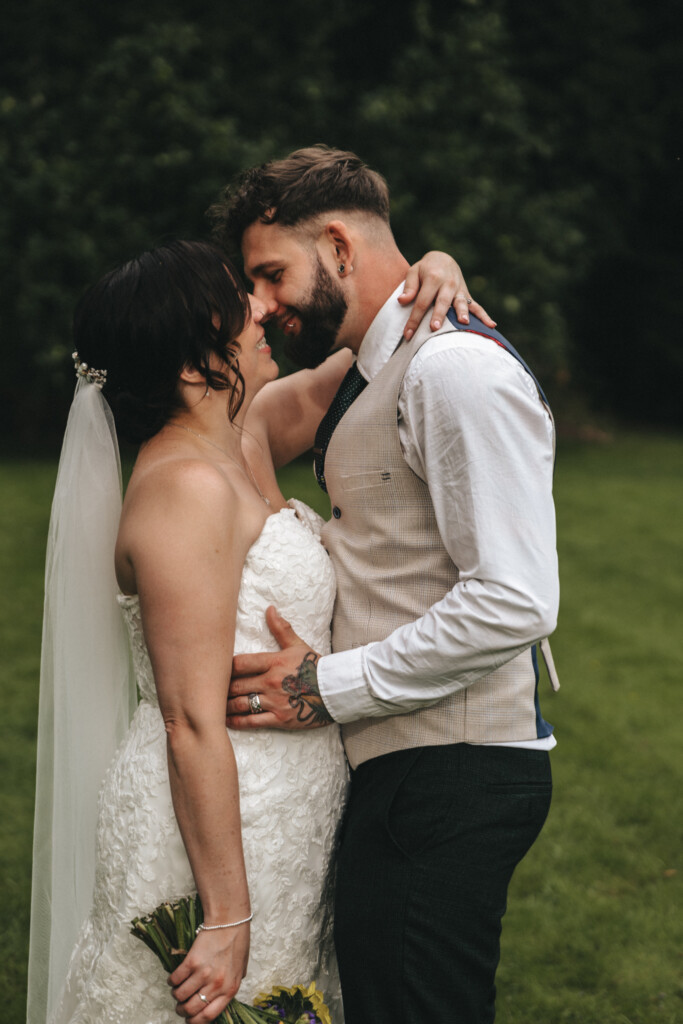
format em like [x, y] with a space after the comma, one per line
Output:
[338, 237]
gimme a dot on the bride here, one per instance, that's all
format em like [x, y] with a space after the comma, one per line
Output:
[203, 544]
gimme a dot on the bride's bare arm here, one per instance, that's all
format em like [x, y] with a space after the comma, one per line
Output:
[187, 549]
[286, 413]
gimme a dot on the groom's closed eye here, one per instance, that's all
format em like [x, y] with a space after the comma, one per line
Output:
[268, 270]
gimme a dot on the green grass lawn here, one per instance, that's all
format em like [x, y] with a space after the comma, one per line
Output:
[594, 931]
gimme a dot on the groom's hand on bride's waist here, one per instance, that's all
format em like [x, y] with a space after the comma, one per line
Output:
[277, 690]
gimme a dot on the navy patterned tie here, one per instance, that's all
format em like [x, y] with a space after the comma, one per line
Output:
[348, 392]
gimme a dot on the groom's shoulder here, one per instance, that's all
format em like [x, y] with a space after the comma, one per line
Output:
[470, 367]
[462, 344]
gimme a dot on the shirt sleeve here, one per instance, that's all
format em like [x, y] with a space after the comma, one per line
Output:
[473, 427]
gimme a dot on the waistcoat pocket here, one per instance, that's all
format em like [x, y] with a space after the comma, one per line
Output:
[365, 480]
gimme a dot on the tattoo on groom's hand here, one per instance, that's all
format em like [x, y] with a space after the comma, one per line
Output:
[303, 693]
[285, 682]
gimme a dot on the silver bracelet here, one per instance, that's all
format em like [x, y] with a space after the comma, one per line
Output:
[215, 927]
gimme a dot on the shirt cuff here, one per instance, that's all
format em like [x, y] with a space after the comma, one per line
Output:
[343, 686]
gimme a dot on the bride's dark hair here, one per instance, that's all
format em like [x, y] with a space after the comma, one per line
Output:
[171, 307]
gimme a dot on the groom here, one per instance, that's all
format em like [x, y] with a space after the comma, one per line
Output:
[438, 456]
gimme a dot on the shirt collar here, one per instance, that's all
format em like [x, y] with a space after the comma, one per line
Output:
[383, 335]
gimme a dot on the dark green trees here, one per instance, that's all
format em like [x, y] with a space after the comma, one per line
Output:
[536, 143]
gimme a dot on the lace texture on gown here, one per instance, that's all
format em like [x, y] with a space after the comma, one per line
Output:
[292, 792]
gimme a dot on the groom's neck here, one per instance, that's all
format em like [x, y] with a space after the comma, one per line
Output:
[376, 276]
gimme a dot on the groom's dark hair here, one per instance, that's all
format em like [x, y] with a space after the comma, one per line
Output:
[303, 185]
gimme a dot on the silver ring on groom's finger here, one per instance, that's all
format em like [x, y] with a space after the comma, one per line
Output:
[203, 998]
[255, 704]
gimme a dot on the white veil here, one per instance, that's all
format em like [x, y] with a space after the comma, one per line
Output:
[87, 693]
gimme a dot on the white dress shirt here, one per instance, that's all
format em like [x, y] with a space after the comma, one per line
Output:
[473, 428]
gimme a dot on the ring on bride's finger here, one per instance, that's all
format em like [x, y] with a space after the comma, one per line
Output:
[469, 302]
[203, 998]
[255, 704]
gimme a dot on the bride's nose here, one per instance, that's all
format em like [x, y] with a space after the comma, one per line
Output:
[258, 309]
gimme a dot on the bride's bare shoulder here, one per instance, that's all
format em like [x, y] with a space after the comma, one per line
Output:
[171, 483]
[180, 510]
[178, 496]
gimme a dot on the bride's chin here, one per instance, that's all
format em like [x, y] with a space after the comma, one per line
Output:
[254, 387]
[274, 371]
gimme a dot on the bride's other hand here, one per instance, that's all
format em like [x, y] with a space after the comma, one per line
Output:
[437, 279]
[211, 973]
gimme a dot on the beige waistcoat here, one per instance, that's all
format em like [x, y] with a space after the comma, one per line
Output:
[391, 566]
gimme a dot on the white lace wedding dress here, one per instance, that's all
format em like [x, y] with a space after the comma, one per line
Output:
[292, 791]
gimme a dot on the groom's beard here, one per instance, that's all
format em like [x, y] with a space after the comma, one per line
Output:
[321, 315]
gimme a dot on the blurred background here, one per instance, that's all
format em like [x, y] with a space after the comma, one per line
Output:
[540, 144]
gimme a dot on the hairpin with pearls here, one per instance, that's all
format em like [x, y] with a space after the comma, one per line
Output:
[96, 377]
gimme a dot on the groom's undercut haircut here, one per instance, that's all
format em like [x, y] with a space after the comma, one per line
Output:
[293, 191]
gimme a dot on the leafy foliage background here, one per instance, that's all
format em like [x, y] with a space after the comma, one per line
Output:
[539, 144]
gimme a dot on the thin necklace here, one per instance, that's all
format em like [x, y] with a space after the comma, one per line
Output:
[208, 440]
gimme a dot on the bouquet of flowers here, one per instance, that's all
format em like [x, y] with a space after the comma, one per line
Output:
[169, 932]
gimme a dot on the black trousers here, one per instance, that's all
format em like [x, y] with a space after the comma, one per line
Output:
[429, 844]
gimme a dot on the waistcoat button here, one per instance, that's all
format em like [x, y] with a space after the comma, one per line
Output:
[336, 512]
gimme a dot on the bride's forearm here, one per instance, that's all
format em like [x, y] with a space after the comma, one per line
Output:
[203, 778]
[288, 411]
[204, 786]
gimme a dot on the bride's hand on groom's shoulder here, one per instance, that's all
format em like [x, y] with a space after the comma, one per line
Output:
[437, 280]
[277, 690]
[211, 973]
